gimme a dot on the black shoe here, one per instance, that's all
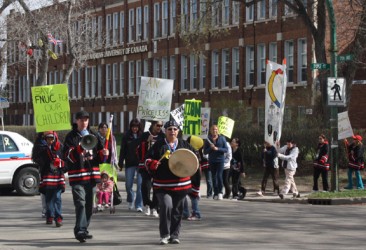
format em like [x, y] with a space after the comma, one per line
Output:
[226, 196]
[88, 236]
[281, 196]
[81, 237]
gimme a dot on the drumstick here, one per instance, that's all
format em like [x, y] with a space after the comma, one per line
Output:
[165, 155]
[209, 141]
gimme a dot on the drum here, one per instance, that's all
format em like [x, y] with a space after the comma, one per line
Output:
[183, 163]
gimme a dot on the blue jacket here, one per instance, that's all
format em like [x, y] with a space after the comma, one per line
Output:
[216, 156]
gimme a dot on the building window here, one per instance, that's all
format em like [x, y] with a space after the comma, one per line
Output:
[216, 13]
[122, 27]
[273, 52]
[79, 83]
[146, 22]
[225, 12]
[287, 115]
[236, 12]
[157, 20]
[289, 55]
[172, 67]
[131, 25]
[56, 81]
[138, 76]
[249, 10]
[115, 29]
[108, 30]
[100, 31]
[131, 79]
[225, 68]
[108, 76]
[249, 116]
[50, 78]
[235, 68]
[202, 73]
[73, 84]
[193, 72]
[164, 67]
[249, 66]
[288, 10]
[156, 68]
[184, 72]
[215, 70]
[261, 117]
[194, 13]
[273, 5]
[115, 79]
[99, 87]
[138, 24]
[261, 63]
[93, 81]
[146, 67]
[173, 16]
[184, 15]
[302, 61]
[121, 78]
[94, 32]
[261, 9]
[165, 16]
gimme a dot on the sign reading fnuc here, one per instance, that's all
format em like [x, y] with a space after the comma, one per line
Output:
[116, 52]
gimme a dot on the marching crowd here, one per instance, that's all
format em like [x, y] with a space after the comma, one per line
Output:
[161, 191]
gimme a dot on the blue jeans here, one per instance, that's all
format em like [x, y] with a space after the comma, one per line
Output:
[208, 177]
[83, 196]
[53, 203]
[130, 176]
[359, 182]
[195, 210]
[217, 170]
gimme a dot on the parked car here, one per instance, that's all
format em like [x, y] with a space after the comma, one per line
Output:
[17, 170]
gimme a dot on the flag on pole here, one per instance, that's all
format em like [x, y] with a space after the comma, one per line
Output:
[276, 82]
[53, 40]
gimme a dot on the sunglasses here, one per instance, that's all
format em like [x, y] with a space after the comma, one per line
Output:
[159, 126]
[172, 129]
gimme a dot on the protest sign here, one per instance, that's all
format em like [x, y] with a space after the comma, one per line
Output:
[344, 126]
[178, 115]
[226, 126]
[155, 99]
[192, 117]
[51, 107]
[205, 122]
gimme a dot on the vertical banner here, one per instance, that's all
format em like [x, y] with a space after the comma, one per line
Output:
[192, 117]
[205, 122]
[51, 107]
[178, 115]
[344, 126]
[276, 82]
[226, 126]
[155, 99]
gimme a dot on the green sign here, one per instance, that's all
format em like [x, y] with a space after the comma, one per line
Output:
[344, 58]
[320, 66]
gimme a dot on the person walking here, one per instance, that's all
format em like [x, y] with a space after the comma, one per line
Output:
[216, 147]
[148, 139]
[129, 157]
[270, 163]
[288, 154]
[321, 164]
[226, 172]
[355, 151]
[83, 171]
[169, 188]
[47, 153]
[237, 170]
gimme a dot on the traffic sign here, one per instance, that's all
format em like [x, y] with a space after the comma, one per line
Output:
[4, 103]
[344, 58]
[320, 66]
[336, 90]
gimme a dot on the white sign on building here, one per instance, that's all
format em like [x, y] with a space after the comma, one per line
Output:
[336, 89]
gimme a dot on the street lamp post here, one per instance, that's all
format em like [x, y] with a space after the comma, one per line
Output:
[333, 109]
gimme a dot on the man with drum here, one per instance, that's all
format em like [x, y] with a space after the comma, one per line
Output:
[172, 179]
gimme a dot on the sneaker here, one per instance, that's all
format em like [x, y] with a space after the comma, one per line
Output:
[281, 196]
[193, 218]
[226, 196]
[139, 210]
[43, 215]
[147, 210]
[209, 196]
[174, 241]
[49, 220]
[164, 240]
[259, 193]
[220, 197]
[81, 236]
[99, 207]
[130, 206]
[155, 213]
[235, 197]
[215, 197]
[58, 222]
[106, 206]
[296, 195]
[348, 187]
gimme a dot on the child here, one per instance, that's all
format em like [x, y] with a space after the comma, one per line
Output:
[104, 191]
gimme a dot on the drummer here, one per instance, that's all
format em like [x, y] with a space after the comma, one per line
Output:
[169, 188]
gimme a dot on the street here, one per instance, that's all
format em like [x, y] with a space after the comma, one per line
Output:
[226, 224]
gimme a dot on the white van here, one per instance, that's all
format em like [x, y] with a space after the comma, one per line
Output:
[17, 170]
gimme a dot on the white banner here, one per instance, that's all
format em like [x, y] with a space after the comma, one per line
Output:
[344, 126]
[276, 82]
[205, 122]
[155, 99]
[178, 115]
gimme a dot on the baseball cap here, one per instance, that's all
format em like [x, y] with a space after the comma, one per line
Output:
[171, 123]
[82, 114]
[357, 137]
[48, 134]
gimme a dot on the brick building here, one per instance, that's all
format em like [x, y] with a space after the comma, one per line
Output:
[141, 39]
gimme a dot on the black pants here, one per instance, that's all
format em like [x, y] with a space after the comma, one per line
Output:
[273, 172]
[317, 173]
[226, 179]
[146, 187]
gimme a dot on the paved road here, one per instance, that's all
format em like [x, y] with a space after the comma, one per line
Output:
[226, 224]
